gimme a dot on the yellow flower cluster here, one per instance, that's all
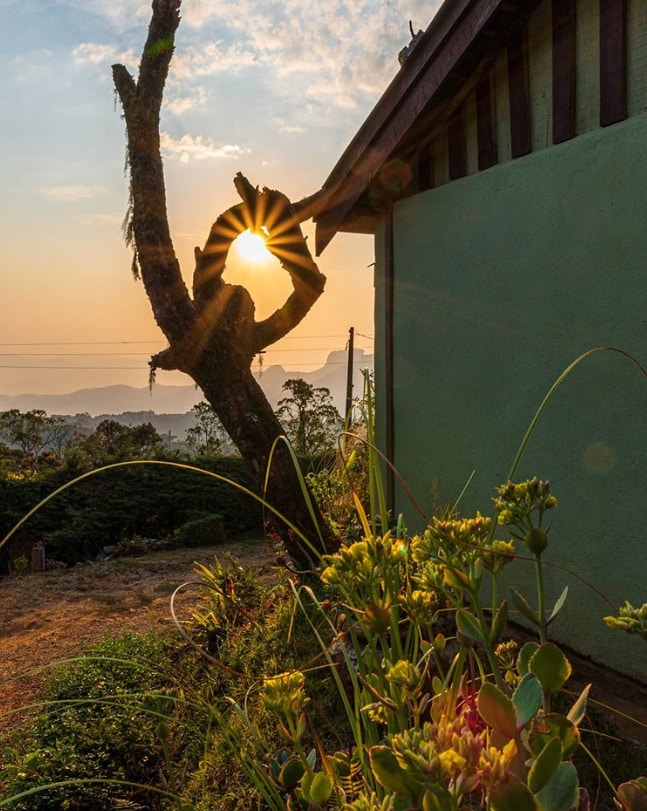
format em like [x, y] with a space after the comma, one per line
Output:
[364, 563]
[284, 694]
[448, 547]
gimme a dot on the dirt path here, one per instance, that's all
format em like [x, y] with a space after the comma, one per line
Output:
[51, 616]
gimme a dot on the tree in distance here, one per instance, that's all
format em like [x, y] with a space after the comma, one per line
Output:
[207, 437]
[33, 432]
[311, 421]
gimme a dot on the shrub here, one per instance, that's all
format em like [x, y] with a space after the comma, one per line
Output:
[205, 531]
[99, 723]
[149, 500]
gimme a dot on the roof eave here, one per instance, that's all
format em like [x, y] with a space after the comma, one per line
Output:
[449, 36]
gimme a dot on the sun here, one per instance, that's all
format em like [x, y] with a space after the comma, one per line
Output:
[250, 249]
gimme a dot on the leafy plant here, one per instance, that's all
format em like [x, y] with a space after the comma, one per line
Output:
[97, 730]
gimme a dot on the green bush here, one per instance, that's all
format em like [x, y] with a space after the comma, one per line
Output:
[150, 501]
[205, 531]
[99, 724]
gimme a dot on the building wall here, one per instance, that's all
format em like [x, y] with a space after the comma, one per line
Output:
[579, 62]
[501, 280]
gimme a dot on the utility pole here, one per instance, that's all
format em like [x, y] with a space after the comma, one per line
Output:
[349, 376]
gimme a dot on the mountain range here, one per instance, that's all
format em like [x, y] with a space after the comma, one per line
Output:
[110, 400]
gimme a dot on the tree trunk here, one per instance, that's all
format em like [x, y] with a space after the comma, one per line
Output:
[213, 337]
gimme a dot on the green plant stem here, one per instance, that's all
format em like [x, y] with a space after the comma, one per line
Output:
[487, 644]
[541, 607]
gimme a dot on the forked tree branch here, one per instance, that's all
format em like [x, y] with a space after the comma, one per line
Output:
[192, 325]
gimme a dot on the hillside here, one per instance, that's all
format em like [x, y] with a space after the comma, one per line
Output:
[175, 400]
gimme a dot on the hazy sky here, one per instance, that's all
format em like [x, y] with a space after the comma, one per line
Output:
[272, 88]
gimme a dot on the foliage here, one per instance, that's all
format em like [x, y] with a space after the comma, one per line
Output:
[207, 437]
[339, 485]
[99, 723]
[440, 715]
[631, 620]
[309, 417]
[203, 531]
[33, 432]
[431, 707]
[143, 500]
[114, 442]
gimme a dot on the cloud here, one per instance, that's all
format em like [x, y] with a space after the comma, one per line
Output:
[94, 53]
[190, 147]
[340, 54]
[209, 59]
[344, 50]
[291, 128]
[178, 101]
[101, 219]
[122, 15]
[71, 193]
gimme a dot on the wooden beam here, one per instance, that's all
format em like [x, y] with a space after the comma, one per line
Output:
[486, 120]
[457, 144]
[564, 70]
[519, 85]
[613, 61]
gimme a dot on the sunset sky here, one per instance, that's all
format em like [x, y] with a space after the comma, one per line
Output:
[272, 88]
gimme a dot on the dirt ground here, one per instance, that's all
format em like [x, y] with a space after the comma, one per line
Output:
[50, 616]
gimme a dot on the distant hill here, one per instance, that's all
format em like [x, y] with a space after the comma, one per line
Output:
[111, 400]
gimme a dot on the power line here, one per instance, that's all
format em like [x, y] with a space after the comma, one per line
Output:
[145, 368]
[144, 354]
[159, 341]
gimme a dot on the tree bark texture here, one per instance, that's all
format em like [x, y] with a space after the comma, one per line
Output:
[213, 336]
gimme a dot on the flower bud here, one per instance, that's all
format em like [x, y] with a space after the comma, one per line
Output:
[536, 540]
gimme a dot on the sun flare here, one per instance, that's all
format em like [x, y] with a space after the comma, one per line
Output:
[251, 249]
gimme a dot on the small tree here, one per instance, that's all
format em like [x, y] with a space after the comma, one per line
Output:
[113, 441]
[33, 432]
[309, 417]
[207, 436]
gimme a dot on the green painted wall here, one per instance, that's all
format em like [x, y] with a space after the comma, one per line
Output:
[503, 279]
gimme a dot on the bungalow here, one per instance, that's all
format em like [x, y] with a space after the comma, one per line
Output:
[503, 174]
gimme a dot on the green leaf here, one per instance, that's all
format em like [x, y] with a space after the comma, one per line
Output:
[497, 710]
[527, 699]
[524, 657]
[387, 770]
[561, 791]
[316, 787]
[499, 622]
[312, 759]
[523, 606]
[550, 666]
[545, 765]
[437, 798]
[554, 725]
[292, 771]
[559, 604]
[468, 625]
[578, 710]
[512, 796]
[633, 795]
